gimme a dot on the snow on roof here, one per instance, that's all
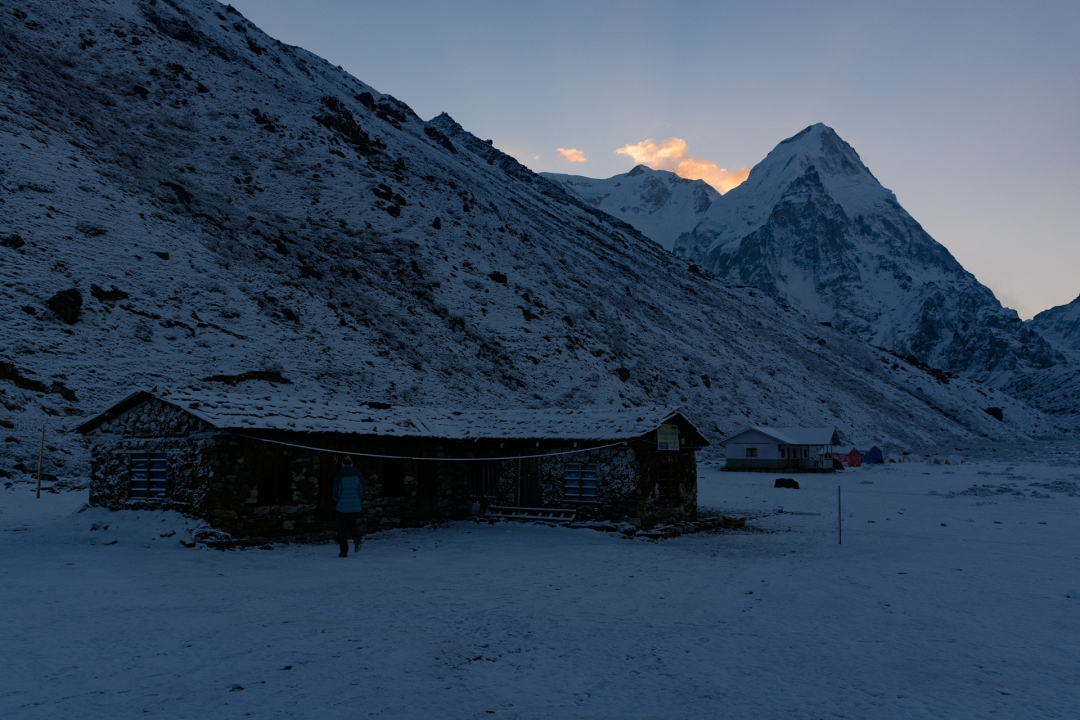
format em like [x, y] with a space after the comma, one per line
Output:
[268, 412]
[792, 436]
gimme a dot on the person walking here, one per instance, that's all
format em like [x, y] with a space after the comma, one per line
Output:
[349, 488]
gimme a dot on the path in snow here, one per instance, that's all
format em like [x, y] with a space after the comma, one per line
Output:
[908, 618]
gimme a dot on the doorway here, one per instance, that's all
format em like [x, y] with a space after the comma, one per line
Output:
[528, 484]
[427, 485]
[324, 499]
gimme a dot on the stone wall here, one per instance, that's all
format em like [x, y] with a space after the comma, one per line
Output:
[234, 505]
[616, 482]
[216, 475]
[652, 464]
[152, 427]
[627, 486]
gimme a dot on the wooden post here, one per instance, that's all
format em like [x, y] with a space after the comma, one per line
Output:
[40, 460]
[839, 519]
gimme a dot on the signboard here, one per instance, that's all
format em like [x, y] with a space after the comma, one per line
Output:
[667, 437]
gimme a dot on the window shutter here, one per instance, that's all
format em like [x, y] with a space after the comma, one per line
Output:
[149, 475]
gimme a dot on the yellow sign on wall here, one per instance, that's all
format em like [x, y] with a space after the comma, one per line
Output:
[667, 437]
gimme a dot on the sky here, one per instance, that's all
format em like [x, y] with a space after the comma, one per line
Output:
[969, 112]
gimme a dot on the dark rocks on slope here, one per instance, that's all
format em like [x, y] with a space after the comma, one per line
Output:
[67, 304]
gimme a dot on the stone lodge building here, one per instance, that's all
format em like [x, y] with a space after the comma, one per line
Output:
[263, 466]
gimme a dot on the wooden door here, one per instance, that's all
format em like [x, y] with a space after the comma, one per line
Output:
[668, 475]
[324, 501]
[427, 485]
[529, 494]
[275, 478]
[483, 479]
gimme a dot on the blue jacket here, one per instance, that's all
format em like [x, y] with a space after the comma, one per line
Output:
[349, 487]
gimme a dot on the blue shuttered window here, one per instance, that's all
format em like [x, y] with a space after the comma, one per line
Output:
[148, 474]
[580, 483]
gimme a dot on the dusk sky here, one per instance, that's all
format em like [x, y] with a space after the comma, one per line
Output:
[970, 113]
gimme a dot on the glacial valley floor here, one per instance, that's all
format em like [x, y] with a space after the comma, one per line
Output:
[955, 594]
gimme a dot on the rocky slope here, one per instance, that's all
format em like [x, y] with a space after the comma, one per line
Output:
[185, 201]
[1060, 326]
[1055, 389]
[659, 204]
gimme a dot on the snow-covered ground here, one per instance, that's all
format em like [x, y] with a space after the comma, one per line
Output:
[942, 601]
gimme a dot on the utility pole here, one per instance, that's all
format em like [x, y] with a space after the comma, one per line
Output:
[839, 519]
[40, 460]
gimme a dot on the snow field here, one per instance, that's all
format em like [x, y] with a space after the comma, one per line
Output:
[908, 618]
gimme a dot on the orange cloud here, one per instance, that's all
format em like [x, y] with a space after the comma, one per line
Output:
[572, 154]
[671, 155]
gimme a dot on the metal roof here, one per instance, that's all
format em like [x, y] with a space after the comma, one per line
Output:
[233, 411]
[792, 436]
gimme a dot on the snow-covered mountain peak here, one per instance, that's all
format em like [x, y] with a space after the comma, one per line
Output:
[817, 148]
[660, 204]
[812, 225]
[814, 228]
[848, 180]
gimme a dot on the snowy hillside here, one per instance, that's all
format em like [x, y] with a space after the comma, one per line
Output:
[813, 226]
[185, 201]
[659, 204]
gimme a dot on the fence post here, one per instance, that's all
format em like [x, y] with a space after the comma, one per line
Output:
[40, 460]
[839, 519]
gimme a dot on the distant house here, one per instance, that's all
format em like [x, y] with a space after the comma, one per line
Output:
[788, 449]
[263, 467]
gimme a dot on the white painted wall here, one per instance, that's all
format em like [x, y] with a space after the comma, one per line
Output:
[767, 447]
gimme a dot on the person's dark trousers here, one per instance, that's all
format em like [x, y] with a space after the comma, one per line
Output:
[346, 526]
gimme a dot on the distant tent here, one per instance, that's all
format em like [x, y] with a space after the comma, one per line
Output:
[873, 456]
[946, 460]
[849, 457]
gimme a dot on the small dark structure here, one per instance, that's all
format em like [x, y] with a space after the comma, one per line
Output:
[262, 467]
[769, 449]
[789, 483]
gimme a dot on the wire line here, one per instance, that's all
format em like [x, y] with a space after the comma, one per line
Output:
[439, 459]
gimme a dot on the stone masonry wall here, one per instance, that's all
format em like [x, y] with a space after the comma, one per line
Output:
[233, 503]
[152, 427]
[651, 465]
[616, 482]
[216, 475]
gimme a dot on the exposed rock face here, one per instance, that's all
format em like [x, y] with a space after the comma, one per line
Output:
[67, 304]
[1060, 326]
[660, 204]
